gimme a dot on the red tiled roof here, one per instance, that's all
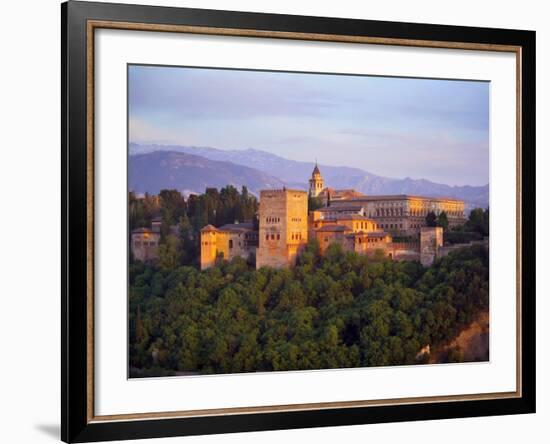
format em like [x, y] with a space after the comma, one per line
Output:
[209, 227]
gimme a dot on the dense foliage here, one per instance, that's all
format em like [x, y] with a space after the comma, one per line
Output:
[314, 203]
[478, 222]
[441, 220]
[462, 237]
[475, 228]
[339, 310]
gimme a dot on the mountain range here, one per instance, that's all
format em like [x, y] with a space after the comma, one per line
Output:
[191, 169]
[154, 171]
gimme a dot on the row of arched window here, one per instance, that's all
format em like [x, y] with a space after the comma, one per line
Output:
[389, 211]
[361, 226]
[145, 243]
[368, 240]
[390, 226]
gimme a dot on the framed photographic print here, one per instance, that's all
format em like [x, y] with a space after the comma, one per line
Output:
[275, 221]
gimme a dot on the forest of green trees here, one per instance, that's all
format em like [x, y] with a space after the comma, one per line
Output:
[339, 310]
[475, 228]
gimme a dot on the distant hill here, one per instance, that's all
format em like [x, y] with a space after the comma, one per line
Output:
[154, 171]
[296, 174]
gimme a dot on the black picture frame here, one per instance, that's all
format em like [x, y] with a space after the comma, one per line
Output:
[76, 424]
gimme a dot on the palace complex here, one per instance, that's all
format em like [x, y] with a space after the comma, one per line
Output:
[359, 223]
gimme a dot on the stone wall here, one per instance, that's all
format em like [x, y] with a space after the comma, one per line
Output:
[283, 227]
[224, 244]
[213, 242]
[431, 240]
[145, 245]
[444, 251]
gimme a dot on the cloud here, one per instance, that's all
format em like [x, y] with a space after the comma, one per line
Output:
[211, 93]
[142, 131]
[375, 123]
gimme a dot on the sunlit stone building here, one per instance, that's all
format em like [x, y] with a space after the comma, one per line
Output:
[283, 229]
[359, 223]
[400, 213]
[227, 242]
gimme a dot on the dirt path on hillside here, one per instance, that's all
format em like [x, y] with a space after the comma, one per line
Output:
[472, 342]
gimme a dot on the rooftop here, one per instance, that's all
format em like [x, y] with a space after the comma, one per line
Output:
[283, 190]
[243, 226]
[209, 227]
[341, 193]
[398, 197]
[371, 234]
[340, 208]
[144, 230]
[333, 227]
[353, 217]
[349, 217]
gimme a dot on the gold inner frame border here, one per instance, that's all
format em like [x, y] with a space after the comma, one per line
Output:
[92, 25]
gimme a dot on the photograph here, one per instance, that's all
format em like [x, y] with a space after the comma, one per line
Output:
[303, 219]
[293, 221]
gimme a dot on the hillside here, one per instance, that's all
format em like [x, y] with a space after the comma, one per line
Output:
[157, 170]
[296, 174]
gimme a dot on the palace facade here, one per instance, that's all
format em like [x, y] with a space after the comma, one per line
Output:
[145, 242]
[359, 223]
[402, 214]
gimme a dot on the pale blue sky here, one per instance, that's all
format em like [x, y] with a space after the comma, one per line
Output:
[395, 127]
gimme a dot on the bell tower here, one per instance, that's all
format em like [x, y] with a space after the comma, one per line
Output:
[316, 183]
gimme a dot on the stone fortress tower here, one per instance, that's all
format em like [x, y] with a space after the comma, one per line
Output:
[316, 183]
[283, 227]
